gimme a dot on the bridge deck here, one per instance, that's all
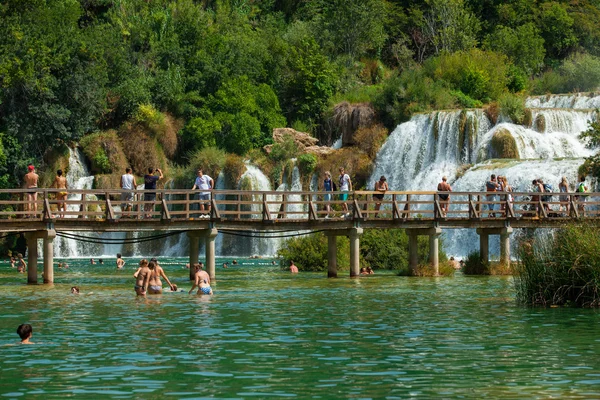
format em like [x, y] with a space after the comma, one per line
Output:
[100, 210]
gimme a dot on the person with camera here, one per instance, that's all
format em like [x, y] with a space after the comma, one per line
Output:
[150, 180]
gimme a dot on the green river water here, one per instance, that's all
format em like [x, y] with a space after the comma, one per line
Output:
[268, 334]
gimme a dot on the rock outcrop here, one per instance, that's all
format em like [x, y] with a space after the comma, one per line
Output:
[305, 142]
[348, 118]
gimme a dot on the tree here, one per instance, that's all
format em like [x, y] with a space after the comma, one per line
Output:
[591, 166]
[450, 26]
[556, 27]
[523, 45]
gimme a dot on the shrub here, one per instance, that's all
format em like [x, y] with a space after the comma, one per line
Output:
[581, 72]
[285, 150]
[561, 268]
[210, 159]
[512, 106]
[474, 265]
[234, 168]
[307, 164]
[549, 82]
[97, 146]
[141, 149]
[356, 163]
[100, 162]
[309, 252]
[465, 101]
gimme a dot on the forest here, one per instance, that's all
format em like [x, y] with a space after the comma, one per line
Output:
[171, 82]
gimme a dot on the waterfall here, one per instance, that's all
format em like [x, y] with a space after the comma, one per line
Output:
[458, 144]
[571, 101]
[78, 177]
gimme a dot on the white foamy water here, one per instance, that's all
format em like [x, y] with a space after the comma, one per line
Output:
[419, 152]
[573, 101]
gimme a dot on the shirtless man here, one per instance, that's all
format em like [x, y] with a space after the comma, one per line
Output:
[120, 261]
[199, 276]
[155, 284]
[380, 186]
[142, 276]
[444, 186]
[60, 182]
[31, 182]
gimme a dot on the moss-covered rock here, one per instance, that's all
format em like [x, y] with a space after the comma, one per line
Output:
[54, 159]
[503, 145]
[492, 111]
[540, 123]
[527, 118]
[142, 149]
[105, 152]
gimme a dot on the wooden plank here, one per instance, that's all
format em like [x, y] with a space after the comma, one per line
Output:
[357, 212]
[266, 214]
[215, 214]
[47, 210]
[165, 214]
[110, 213]
[312, 211]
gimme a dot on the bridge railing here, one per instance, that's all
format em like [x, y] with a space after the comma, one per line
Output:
[278, 205]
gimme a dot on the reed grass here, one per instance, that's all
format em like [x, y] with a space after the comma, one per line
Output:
[561, 269]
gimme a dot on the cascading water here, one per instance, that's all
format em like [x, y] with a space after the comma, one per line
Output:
[458, 144]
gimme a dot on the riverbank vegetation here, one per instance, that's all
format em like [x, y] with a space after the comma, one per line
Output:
[560, 269]
[173, 77]
[379, 249]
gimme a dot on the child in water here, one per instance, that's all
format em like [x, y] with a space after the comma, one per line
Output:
[25, 332]
[21, 267]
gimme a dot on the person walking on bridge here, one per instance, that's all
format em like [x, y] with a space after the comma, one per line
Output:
[345, 186]
[328, 186]
[444, 186]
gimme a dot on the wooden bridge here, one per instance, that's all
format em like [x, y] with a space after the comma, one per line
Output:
[420, 213]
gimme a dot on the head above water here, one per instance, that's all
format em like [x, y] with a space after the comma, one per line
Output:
[75, 290]
[24, 331]
[118, 255]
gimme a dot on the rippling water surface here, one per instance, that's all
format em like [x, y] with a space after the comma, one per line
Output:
[266, 333]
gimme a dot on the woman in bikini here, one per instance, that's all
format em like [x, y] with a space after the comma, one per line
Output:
[60, 182]
[380, 186]
[155, 284]
[142, 277]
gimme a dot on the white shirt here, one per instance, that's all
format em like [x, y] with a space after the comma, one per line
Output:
[344, 181]
[203, 182]
[127, 181]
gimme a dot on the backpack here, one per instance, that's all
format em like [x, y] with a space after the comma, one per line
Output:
[581, 187]
[547, 187]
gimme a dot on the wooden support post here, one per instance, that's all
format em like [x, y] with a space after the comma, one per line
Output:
[194, 237]
[83, 207]
[354, 237]
[266, 214]
[505, 246]
[407, 207]
[332, 256]
[210, 252]
[32, 256]
[110, 213]
[187, 209]
[49, 256]
[413, 258]
[215, 213]
[165, 215]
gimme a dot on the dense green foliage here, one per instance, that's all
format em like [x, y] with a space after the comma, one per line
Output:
[591, 166]
[379, 249]
[230, 71]
[474, 265]
[560, 269]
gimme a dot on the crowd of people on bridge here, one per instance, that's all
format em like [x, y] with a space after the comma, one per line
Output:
[499, 193]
